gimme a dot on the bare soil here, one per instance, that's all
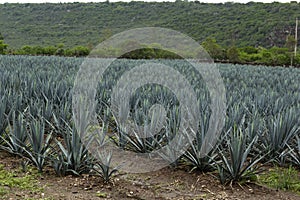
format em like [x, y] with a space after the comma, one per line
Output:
[166, 183]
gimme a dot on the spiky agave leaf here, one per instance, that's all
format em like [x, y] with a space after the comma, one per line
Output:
[236, 161]
[74, 153]
[39, 146]
[3, 114]
[281, 129]
[292, 153]
[194, 155]
[16, 139]
[103, 165]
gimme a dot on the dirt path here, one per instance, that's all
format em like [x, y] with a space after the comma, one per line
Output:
[163, 184]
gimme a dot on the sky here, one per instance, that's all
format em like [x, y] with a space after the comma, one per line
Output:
[206, 1]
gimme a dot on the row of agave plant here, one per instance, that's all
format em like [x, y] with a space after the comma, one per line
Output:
[36, 121]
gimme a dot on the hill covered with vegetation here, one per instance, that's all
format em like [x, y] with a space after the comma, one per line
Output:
[86, 24]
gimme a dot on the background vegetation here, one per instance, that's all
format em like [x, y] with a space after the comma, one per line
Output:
[252, 33]
[73, 24]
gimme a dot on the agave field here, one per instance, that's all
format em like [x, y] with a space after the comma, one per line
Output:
[262, 122]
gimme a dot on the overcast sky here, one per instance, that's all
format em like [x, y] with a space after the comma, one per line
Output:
[57, 1]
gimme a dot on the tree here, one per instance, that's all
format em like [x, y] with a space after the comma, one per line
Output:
[3, 47]
[249, 50]
[26, 50]
[60, 49]
[233, 54]
[290, 43]
[214, 49]
[79, 51]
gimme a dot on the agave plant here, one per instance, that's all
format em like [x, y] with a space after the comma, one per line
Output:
[103, 165]
[16, 139]
[194, 155]
[3, 114]
[143, 135]
[74, 157]
[39, 147]
[292, 153]
[263, 101]
[281, 129]
[237, 164]
[254, 125]
[62, 115]
[171, 153]
[59, 164]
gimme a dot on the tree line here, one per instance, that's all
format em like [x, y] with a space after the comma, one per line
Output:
[274, 56]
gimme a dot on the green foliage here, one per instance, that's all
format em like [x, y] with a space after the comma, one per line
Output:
[58, 50]
[282, 178]
[150, 53]
[77, 51]
[233, 54]
[3, 47]
[214, 49]
[89, 23]
[290, 43]
[273, 56]
[249, 50]
[13, 179]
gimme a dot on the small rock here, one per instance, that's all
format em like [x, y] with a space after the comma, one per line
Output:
[88, 188]
[108, 187]
[130, 194]
[101, 194]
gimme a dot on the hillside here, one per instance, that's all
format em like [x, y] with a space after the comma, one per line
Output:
[254, 24]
